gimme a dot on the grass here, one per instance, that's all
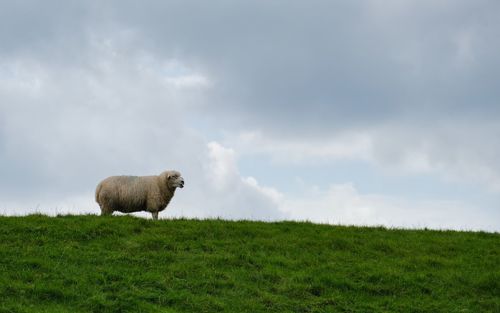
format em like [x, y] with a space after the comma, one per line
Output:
[127, 264]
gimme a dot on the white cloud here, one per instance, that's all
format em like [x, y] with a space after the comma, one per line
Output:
[344, 145]
[449, 151]
[214, 188]
[64, 129]
[222, 167]
[220, 190]
[344, 204]
[188, 81]
[273, 194]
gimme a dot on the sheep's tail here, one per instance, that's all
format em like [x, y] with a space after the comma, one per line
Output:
[97, 192]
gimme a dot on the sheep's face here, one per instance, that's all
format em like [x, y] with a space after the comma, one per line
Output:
[175, 180]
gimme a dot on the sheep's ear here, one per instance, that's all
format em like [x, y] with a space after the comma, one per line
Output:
[166, 176]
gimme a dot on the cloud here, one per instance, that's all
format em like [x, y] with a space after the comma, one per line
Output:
[451, 150]
[410, 83]
[96, 88]
[345, 145]
[220, 191]
[63, 123]
[320, 66]
[344, 204]
[64, 129]
[214, 189]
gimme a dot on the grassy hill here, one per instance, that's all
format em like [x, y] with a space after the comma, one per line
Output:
[127, 264]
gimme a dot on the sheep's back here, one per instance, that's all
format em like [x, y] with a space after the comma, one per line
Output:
[127, 193]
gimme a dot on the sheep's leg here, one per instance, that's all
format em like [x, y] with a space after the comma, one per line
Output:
[105, 211]
[155, 215]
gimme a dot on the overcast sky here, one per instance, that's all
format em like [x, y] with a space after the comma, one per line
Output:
[344, 112]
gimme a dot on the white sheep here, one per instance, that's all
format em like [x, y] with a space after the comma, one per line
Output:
[137, 193]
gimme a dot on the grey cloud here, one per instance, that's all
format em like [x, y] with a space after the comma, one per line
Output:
[322, 65]
[72, 70]
[453, 149]
[51, 29]
[296, 68]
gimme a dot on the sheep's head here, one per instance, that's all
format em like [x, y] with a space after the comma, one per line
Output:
[173, 179]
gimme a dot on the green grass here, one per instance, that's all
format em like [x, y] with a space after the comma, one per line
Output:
[127, 264]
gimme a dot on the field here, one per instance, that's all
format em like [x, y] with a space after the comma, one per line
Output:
[128, 264]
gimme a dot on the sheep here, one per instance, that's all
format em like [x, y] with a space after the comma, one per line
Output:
[137, 193]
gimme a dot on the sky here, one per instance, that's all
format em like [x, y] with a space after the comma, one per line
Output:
[375, 112]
